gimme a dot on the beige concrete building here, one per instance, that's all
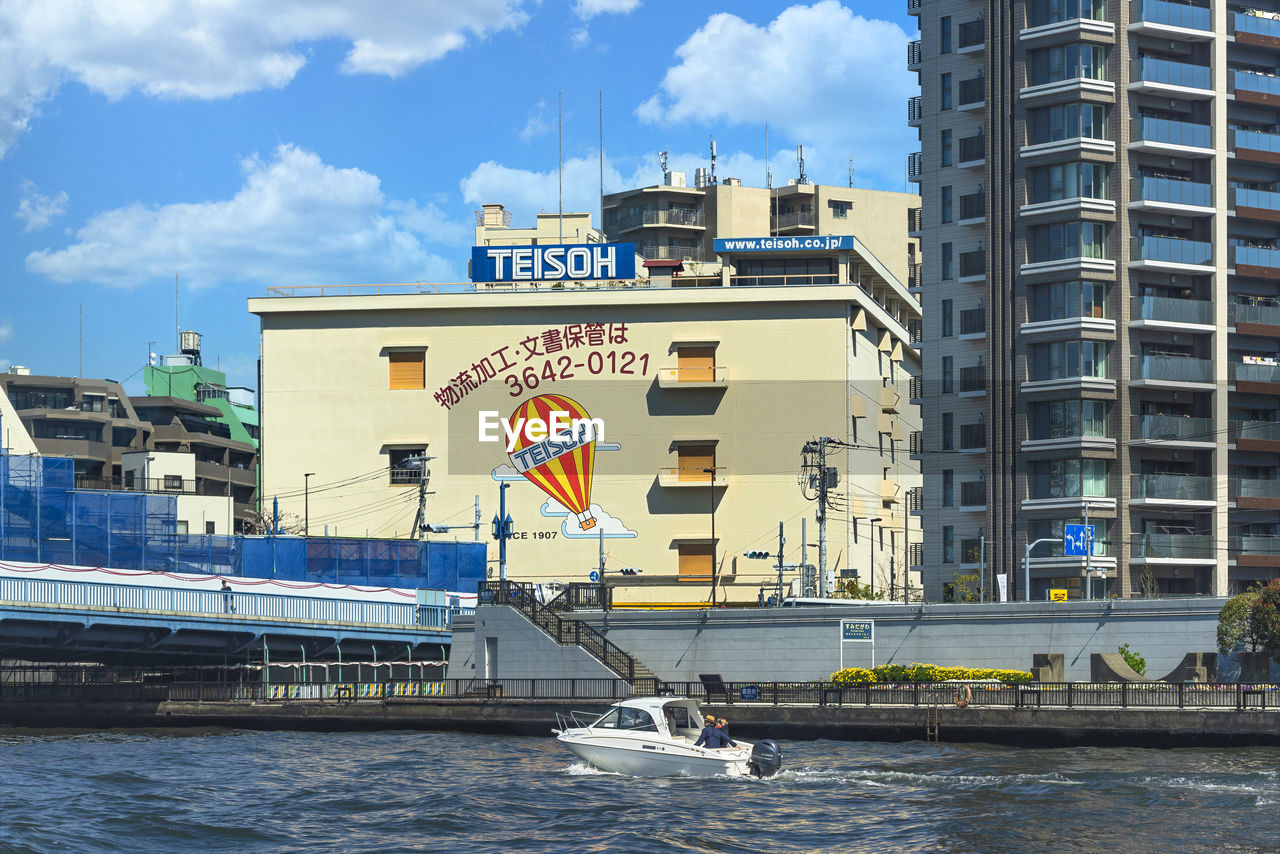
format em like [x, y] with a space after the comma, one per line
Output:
[706, 397]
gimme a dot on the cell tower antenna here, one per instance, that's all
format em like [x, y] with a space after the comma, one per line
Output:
[713, 158]
[850, 171]
[803, 179]
[662, 160]
[768, 173]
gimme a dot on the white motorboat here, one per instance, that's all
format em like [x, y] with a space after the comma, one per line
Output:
[655, 737]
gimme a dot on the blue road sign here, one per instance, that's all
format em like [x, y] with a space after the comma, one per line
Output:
[749, 693]
[1076, 539]
[857, 630]
[594, 576]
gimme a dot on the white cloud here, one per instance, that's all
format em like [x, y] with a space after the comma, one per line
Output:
[6, 332]
[296, 220]
[37, 209]
[201, 49]
[588, 9]
[818, 75]
[537, 125]
[508, 472]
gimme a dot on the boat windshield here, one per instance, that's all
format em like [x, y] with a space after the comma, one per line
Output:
[625, 718]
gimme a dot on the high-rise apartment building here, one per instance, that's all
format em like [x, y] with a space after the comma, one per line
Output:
[1101, 293]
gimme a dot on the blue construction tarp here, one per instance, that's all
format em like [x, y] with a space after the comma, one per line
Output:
[44, 519]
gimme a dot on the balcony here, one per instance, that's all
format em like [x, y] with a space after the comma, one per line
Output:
[1166, 77]
[973, 323]
[973, 380]
[1254, 493]
[1246, 316]
[1157, 311]
[915, 332]
[915, 168]
[1254, 145]
[1172, 251]
[973, 437]
[1251, 87]
[916, 445]
[1173, 547]
[913, 7]
[674, 253]
[915, 111]
[913, 222]
[1256, 435]
[1266, 375]
[1255, 204]
[973, 265]
[1255, 30]
[692, 476]
[973, 209]
[1171, 487]
[913, 55]
[1262, 262]
[1255, 550]
[1149, 133]
[913, 279]
[1171, 428]
[915, 391]
[701, 377]
[972, 93]
[973, 151]
[795, 219]
[915, 555]
[1171, 370]
[973, 36]
[1171, 20]
[973, 496]
[1171, 194]
[915, 500]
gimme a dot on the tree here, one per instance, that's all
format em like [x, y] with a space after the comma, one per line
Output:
[851, 589]
[1264, 619]
[1148, 584]
[1235, 627]
[1135, 661]
[260, 523]
[965, 587]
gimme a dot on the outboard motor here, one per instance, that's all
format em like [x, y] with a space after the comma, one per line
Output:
[766, 758]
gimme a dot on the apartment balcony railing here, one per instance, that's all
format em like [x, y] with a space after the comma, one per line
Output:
[915, 554]
[1150, 69]
[973, 493]
[1265, 431]
[1171, 428]
[1265, 200]
[1171, 15]
[973, 436]
[972, 34]
[1172, 369]
[973, 206]
[1173, 250]
[673, 217]
[676, 476]
[913, 7]
[674, 253]
[1255, 373]
[172, 484]
[1172, 310]
[915, 166]
[1254, 544]
[915, 109]
[1254, 256]
[916, 443]
[1171, 191]
[1172, 487]
[792, 220]
[1253, 140]
[1266, 315]
[973, 378]
[913, 219]
[915, 499]
[973, 263]
[973, 148]
[1243, 22]
[716, 375]
[1175, 546]
[972, 91]
[915, 332]
[973, 321]
[1250, 81]
[915, 388]
[1252, 487]
[1171, 132]
[913, 55]
[913, 276]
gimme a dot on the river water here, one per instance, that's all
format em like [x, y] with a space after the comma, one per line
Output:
[232, 790]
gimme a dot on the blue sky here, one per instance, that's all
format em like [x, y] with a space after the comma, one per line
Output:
[242, 145]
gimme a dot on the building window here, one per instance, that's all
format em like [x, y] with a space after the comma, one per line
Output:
[1064, 419]
[1067, 62]
[840, 210]
[1067, 181]
[1043, 12]
[948, 488]
[407, 465]
[1061, 300]
[695, 460]
[210, 528]
[946, 148]
[1059, 241]
[173, 482]
[696, 561]
[948, 374]
[945, 34]
[408, 369]
[948, 544]
[946, 319]
[1068, 479]
[945, 89]
[1042, 529]
[695, 364]
[946, 261]
[1063, 359]
[948, 431]
[946, 204]
[1066, 121]
[180, 527]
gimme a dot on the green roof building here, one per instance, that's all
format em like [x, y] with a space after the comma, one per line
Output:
[183, 376]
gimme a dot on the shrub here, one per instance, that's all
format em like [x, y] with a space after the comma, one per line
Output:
[924, 673]
[1137, 662]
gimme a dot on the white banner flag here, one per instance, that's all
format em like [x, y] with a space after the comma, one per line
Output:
[1003, 583]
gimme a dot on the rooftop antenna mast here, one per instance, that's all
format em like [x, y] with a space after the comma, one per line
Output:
[768, 174]
[177, 324]
[662, 160]
[851, 172]
[803, 179]
[713, 159]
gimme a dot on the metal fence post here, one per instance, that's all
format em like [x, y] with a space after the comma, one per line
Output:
[1124, 695]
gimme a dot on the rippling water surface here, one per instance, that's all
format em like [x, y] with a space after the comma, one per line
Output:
[225, 790]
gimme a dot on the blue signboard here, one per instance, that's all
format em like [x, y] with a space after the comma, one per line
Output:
[553, 263]
[749, 693]
[1075, 540]
[594, 576]
[857, 630]
[819, 243]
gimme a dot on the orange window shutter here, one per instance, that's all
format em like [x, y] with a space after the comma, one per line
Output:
[408, 370]
[696, 364]
[694, 459]
[695, 561]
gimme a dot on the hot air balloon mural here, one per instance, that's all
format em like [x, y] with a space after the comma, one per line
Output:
[560, 464]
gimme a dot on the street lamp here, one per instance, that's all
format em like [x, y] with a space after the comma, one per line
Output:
[306, 503]
[712, 482]
[871, 540]
[1026, 565]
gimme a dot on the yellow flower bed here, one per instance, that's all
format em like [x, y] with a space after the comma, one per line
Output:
[925, 673]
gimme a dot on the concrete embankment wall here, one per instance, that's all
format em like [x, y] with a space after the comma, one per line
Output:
[785, 644]
[996, 725]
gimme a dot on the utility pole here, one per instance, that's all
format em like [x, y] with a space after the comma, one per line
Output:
[804, 552]
[814, 465]
[782, 541]
[420, 518]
